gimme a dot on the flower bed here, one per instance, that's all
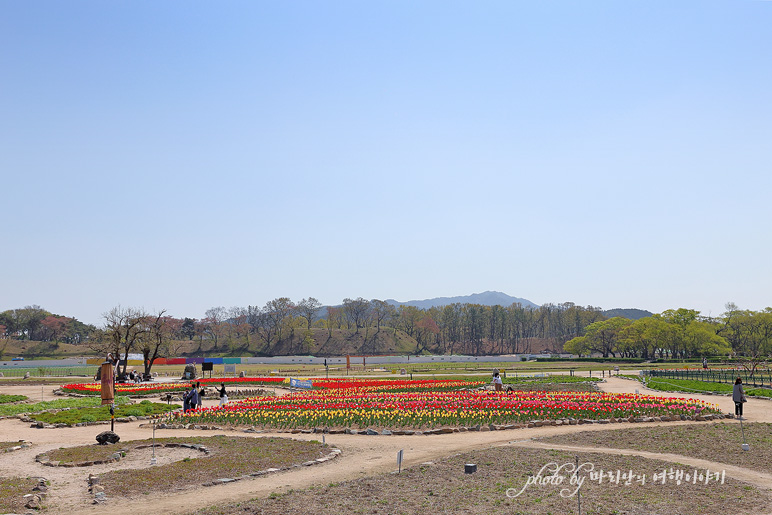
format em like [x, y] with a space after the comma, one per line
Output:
[142, 389]
[405, 404]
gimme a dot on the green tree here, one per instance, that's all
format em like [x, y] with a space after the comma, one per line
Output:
[750, 335]
[601, 337]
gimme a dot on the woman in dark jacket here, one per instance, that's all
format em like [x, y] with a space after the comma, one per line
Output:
[738, 396]
[223, 395]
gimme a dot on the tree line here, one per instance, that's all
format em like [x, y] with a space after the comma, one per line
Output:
[37, 324]
[287, 327]
[681, 333]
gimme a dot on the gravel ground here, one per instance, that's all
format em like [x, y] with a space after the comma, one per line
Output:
[443, 487]
[720, 442]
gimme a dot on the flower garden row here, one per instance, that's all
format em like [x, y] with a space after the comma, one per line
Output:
[431, 404]
[140, 389]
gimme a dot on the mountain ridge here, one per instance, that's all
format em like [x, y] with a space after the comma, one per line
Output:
[487, 298]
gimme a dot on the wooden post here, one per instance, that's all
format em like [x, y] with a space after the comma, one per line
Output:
[108, 383]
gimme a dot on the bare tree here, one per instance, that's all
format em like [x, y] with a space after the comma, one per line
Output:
[158, 342]
[357, 311]
[308, 308]
[381, 311]
[4, 340]
[123, 330]
[214, 319]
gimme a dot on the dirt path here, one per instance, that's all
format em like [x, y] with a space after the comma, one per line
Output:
[361, 456]
[752, 477]
[755, 410]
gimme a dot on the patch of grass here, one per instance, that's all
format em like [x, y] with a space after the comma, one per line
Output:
[7, 445]
[551, 379]
[690, 385]
[85, 453]
[553, 387]
[76, 416]
[719, 442]
[83, 402]
[12, 492]
[444, 488]
[18, 381]
[6, 399]
[230, 456]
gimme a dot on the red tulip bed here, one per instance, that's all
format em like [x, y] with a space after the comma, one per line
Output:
[431, 404]
[140, 389]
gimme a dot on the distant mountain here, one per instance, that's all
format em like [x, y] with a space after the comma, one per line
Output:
[631, 313]
[488, 298]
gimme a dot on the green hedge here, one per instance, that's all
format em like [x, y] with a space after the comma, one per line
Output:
[594, 360]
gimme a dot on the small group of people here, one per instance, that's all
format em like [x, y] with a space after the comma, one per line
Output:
[193, 398]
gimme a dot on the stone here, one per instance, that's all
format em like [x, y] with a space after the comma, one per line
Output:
[32, 501]
[106, 437]
[386, 432]
[95, 489]
[371, 432]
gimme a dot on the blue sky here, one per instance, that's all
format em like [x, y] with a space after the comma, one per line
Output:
[184, 155]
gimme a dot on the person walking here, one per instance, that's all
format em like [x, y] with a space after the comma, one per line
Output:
[186, 402]
[738, 396]
[223, 395]
[193, 397]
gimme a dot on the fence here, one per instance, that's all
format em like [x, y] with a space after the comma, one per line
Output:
[84, 371]
[761, 378]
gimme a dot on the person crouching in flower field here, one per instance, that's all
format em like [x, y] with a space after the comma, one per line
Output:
[498, 384]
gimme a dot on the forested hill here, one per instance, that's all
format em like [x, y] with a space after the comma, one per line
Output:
[629, 313]
[488, 298]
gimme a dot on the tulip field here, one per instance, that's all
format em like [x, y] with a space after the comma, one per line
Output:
[396, 404]
[138, 389]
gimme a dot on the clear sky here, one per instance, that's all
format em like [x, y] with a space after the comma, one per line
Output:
[187, 154]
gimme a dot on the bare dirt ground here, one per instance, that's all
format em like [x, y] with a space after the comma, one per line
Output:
[362, 456]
